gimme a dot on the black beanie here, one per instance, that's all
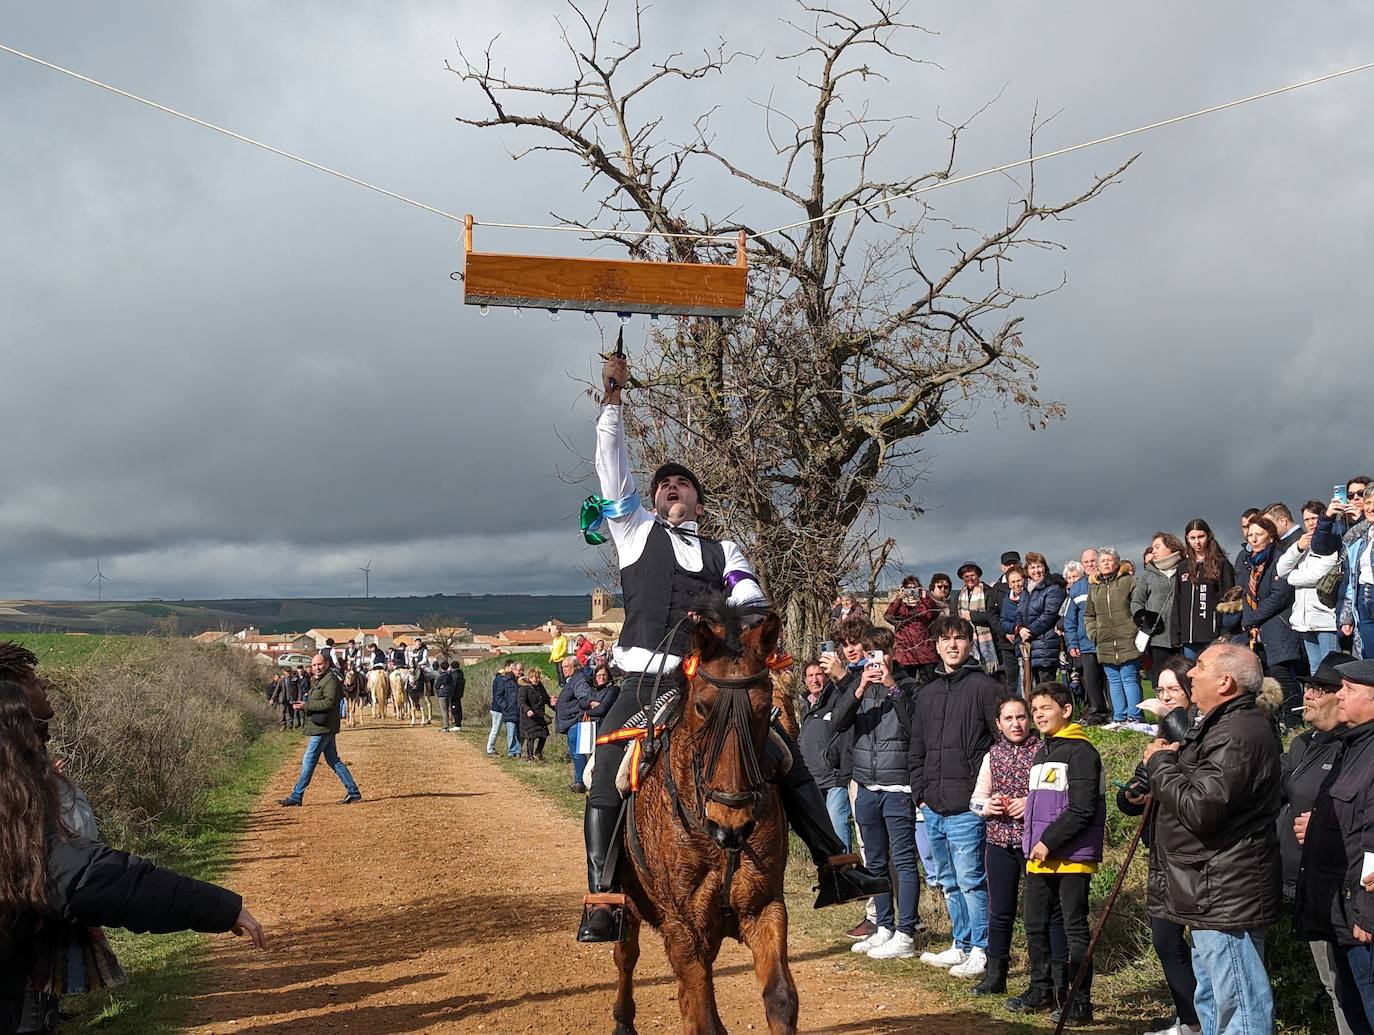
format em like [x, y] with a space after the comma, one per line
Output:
[668, 471]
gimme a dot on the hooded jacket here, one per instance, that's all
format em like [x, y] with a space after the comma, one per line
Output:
[1075, 617]
[1107, 618]
[881, 722]
[1066, 804]
[505, 696]
[532, 697]
[1303, 569]
[574, 699]
[1217, 798]
[953, 726]
[1330, 898]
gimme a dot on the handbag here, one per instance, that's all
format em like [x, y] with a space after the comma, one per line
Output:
[584, 737]
[1328, 587]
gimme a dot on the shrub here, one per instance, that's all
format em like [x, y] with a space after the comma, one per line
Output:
[144, 732]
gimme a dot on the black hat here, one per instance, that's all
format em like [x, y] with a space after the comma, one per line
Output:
[1011, 557]
[1361, 672]
[970, 566]
[1326, 677]
[668, 471]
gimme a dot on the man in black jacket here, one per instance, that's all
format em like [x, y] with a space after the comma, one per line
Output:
[953, 728]
[1217, 796]
[1311, 763]
[443, 689]
[1336, 836]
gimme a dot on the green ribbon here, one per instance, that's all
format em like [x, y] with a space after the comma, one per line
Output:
[597, 509]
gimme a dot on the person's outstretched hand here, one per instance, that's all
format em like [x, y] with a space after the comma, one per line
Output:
[614, 374]
[247, 926]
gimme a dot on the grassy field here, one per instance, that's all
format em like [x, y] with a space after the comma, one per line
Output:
[73, 648]
[163, 968]
[1129, 984]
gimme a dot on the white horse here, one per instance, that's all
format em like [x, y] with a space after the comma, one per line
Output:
[400, 683]
[378, 689]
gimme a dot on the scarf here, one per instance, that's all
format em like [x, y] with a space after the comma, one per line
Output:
[984, 641]
[1169, 563]
[1259, 562]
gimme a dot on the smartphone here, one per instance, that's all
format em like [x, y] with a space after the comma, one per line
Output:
[828, 647]
[1340, 495]
[875, 657]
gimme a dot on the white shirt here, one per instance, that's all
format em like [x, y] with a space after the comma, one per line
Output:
[631, 532]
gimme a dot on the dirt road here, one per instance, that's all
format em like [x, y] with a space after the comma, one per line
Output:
[446, 902]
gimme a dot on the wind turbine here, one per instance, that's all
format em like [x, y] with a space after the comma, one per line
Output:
[367, 579]
[99, 578]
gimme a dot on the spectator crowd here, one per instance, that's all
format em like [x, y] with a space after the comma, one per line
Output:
[952, 743]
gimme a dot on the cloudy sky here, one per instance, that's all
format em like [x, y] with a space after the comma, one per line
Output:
[225, 374]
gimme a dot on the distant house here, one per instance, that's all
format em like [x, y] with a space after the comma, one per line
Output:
[275, 643]
[389, 635]
[604, 612]
[362, 637]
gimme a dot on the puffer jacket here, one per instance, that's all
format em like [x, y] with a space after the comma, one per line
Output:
[1066, 804]
[1038, 611]
[881, 722]
[1107, 618]
[816, 732]
[1331, 900]
[1154, 592]
[574, 699]
[1273, 602]
[1217, 799]
[532, 697]
[952, 728]
[1303, 569]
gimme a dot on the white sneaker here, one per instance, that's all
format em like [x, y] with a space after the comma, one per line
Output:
[875, 939]
[951, 957]
[899, 947]
[975, 965]
[1113, 725]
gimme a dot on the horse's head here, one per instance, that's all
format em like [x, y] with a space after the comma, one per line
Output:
[726, 712]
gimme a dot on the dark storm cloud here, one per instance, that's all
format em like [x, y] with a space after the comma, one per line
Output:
[229, 374]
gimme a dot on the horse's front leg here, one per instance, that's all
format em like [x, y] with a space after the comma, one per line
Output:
[691, 961]
[766, 936]
[626, 956]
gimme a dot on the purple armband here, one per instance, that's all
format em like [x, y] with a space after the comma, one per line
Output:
[734, 578]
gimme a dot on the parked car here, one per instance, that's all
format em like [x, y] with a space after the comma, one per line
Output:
[293, 660]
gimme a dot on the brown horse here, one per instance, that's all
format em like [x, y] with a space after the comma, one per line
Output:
[706, 857]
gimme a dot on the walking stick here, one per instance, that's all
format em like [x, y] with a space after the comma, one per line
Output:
[1027, 674]
[1082, 971]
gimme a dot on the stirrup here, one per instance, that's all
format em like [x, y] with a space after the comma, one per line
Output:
[593, 928]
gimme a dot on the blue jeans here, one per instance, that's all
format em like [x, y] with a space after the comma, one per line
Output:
[512, 740]
[1123, 683]
[956, 847]
[322, 744]
[888, 824]
[837, 805]
[495, 731]
[1233, 995]
[579, 761]
[1355, 986]
[924, 852]
[1191, 651]
[1318, 645]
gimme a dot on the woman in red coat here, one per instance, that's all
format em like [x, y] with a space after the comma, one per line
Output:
[910, 614]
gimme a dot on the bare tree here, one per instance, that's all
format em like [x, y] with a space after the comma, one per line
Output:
[442, 635]
[864, 332]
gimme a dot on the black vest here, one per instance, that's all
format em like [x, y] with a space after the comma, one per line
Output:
[659, 592]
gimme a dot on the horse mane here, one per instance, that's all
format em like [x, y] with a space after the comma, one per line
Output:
[715, 609]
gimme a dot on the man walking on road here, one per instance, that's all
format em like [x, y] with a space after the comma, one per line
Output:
[321, 712]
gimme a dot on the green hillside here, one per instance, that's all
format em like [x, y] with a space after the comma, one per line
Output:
[485, 614]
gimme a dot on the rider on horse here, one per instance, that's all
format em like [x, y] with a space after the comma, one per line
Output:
[665, 566]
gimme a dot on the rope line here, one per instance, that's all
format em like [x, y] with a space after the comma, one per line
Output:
[883, 200]
[231, 133]
[887, 198]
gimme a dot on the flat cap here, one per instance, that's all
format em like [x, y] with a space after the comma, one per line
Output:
[1361, 672]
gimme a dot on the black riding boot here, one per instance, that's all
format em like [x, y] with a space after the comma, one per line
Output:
[1041, 995]
[995, 980]
[1081, 1010]
[600, 922]
[840, 877]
